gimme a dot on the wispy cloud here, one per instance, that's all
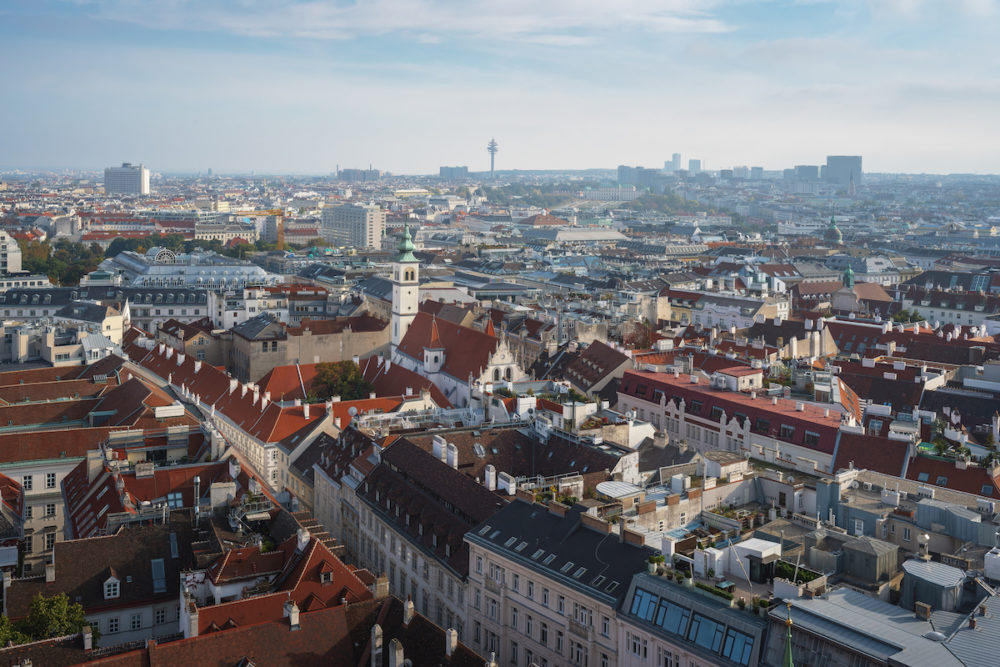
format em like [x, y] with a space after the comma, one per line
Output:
[556, 22]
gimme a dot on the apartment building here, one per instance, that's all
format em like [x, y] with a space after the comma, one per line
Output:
[545, 584]
[707, 416]
[353, 225]
[10, 254]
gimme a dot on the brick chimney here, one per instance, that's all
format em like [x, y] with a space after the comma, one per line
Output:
[450, 641]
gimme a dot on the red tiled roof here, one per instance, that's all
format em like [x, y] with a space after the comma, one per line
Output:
[940, 472]
[868, 452]
[646, 386]
[389, 379]
[466, 350]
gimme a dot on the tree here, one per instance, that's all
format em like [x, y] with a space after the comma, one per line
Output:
[10, 634]
[49, 617]
[339, 378]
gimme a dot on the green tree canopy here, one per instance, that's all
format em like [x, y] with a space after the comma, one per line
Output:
[49, 617]
[339, 378]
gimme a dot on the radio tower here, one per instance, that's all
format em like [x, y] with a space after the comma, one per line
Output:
[492, 149]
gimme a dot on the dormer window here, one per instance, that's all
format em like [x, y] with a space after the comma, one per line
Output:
[325, 577]
[112, 589]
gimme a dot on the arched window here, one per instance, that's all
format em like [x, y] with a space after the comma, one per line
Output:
[409, 274]
[496, 374]
[507, 374]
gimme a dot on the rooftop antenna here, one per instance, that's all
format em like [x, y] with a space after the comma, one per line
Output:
[492, 148]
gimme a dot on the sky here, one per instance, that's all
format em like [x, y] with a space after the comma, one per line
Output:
[302, 86]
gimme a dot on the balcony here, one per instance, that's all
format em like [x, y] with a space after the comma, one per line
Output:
[579, 629]
[493, 586]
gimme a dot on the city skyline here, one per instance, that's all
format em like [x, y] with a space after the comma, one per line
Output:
[303, 87]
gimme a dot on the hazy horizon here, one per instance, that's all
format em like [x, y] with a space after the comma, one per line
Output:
[300, 87]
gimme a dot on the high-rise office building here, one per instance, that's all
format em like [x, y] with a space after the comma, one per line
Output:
[694, 167]
[454, 173]
[353, 225]
[840, 169]
[806, 172]
[128, 179]
[674, 164]
[756, 173]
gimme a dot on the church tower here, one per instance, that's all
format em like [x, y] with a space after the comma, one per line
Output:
[405, 288]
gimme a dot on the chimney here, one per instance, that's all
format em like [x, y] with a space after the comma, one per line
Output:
[197, 365]
[380, 589]
[336, 423]
[197, 497]
[376, 642]
[395, 653]
[407, 611]
[233, 383]
[50, 572]
[88, 638]
[450, 641]
[243, 390]
[972, 622]
[492, 662]
[292, 613]
[303, 539]
[452, 455]
[305, 410]
[267, 396]
[438, 444]
[491, 477]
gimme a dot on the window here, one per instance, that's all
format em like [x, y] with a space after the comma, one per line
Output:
[110, 589]
[559, 641]
[50, 509]
[160, 616]
[136, 622]
[737, 647]
[50, 480]
[27, 512]
[787, 432]
[545, 597]
[705, 633]
[479, 564]
[561, 605]
[26, 482]
[529, 626]
[513, 652]
[112, 625]
[604, 660]
[175, 500]
[810, 438]
[637, 646]
[515, 583]
[531, 589]
[513, 617]
[476, 631]
[906, 534]
[605, 626]
[923, 477]
[50, 541]
[543, 634]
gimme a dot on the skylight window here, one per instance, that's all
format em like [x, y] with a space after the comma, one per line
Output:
[579, 573]
[549, 559]
[510, 541]
[538, 553]
[485, 529]
[567, 567]
[520, 547]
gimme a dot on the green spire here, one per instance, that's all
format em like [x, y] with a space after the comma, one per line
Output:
[787, 661]
[849, 278]
[406, 247]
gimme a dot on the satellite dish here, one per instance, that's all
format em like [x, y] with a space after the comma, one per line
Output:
[352, 411]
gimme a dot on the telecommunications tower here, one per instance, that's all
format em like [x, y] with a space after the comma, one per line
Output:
[492, 149]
